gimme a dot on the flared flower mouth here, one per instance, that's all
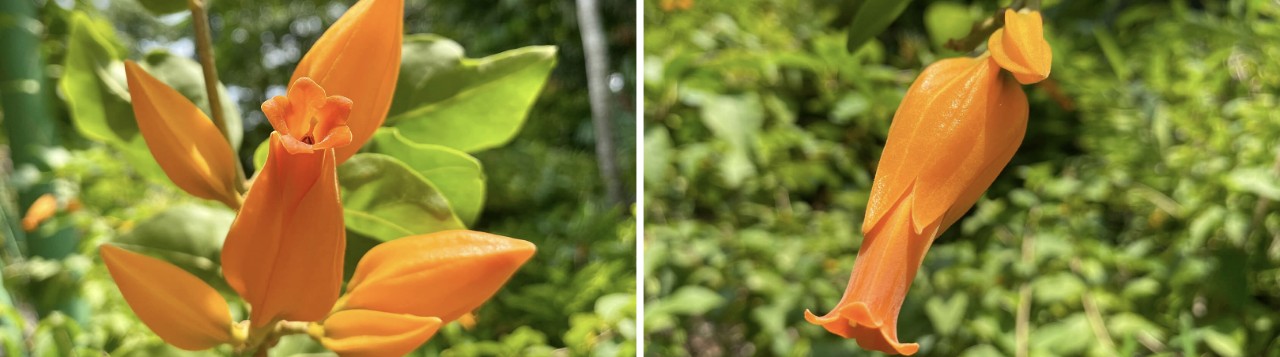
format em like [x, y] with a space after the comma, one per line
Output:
[308, 119]
[857, 322]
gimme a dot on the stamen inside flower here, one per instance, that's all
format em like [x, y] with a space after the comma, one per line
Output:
[307, 119]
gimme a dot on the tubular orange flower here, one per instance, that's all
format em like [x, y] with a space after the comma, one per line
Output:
[182, 139]
[359, 333]
[450, 273]
[1020, 47]
[957, 127]
[359, 58]
[181, 309]
[285, 249]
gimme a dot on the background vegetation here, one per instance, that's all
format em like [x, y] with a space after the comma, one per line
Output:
[576, 297]
[1139, 216]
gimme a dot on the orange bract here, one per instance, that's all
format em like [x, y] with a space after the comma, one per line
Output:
[956, 129]
[184, 311]
[450, 273]
[1020, 47]
[359, 58]
[285, 249]
[359, 333]
[186, 144]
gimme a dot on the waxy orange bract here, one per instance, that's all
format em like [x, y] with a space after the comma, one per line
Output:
[359, 58]
[186, 144]
[359, 333]
[451, 273]
[180, 308]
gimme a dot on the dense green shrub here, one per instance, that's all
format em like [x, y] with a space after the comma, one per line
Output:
[1138, 217]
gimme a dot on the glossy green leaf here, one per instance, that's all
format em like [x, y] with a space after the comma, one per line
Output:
[97, 95]
[871, 18]
[385, 199]
[458, 176]
[444, 98]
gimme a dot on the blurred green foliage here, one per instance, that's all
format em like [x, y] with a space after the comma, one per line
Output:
[539, 183]
[1139, 217]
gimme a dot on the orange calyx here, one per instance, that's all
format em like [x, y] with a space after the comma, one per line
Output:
[308, 119]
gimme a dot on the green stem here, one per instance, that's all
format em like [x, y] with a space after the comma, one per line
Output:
[204, 48]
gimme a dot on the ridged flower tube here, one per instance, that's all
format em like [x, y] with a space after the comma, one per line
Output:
[361, 333]
[1020, 47]
[186, 144]
[184, 311]
[284, 252]
[359, 58]
[449, 273]
[957, 127]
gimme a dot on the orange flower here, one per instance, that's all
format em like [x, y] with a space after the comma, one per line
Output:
[1020, 47]
[284, 251]
[957, 127]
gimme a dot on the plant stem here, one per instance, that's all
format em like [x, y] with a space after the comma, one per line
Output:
[204, 48]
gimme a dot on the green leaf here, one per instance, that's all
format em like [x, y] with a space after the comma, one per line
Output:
[1069, 336]
[94, 85]
[260, 154]
[1259, 181]
[458, 176]
[946, 21]
[688, 300]
[946, 315]
[164, 7]
[871, 18]
[657, 151]
[1226, 338]
[385, 199]
[736, 120]
[187, 235]
[467, 104]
